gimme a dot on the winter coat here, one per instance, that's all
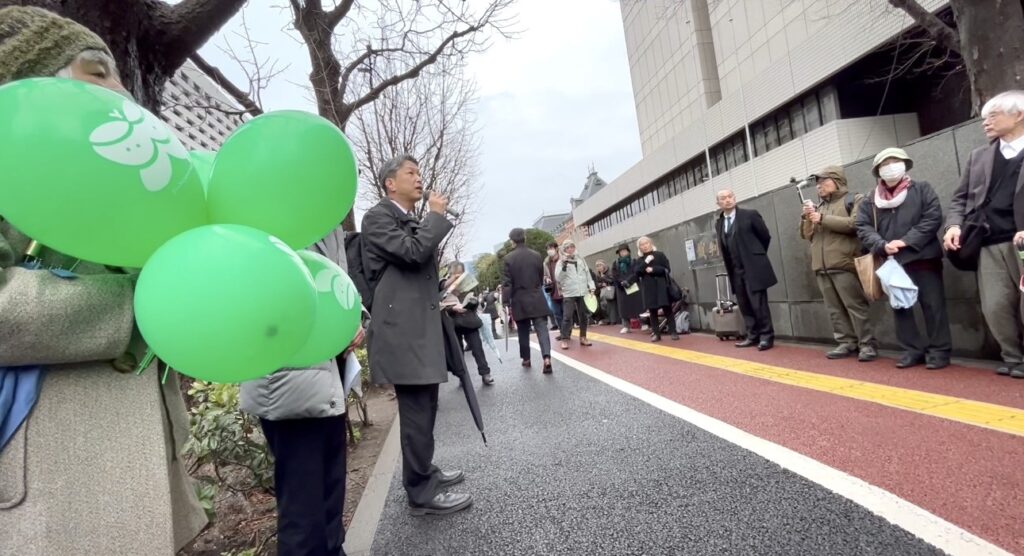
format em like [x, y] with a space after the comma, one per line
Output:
[629, 306]
[405, 340]
[574, 278]
[551, 276]
[916, 222]
[974, 183]
[316, 391]
[96, 467]
[522, 280]
[834, 241]
[653, 285]
[752, 239]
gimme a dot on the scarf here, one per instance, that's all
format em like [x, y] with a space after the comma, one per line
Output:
[891, 197]
[624, 264]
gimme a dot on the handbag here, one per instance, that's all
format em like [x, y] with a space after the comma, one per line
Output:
[973, 232]
[675, 293]
[866, 267]
[467, 321]
[608, 293]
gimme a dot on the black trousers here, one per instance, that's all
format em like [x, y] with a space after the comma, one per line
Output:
[309, 483]
[573, 310]
[754, 305]
[543, 337]
[417, 411]
[656, 320]
[476, 347]
[931, 297]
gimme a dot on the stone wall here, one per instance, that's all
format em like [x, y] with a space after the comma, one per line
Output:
[797, 308]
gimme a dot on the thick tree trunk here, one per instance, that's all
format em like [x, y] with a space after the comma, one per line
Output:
[992, 45]
[149, 39]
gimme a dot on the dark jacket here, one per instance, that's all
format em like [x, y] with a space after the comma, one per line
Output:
[630, 306]
[751, 241]
[653, 285]
[522, 277]
[916, 222]
[405, 341]
[973, 189]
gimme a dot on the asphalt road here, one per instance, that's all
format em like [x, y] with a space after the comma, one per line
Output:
[575, 466]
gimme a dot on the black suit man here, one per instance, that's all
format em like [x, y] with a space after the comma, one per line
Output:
[405, 340]
[743, 239]
[522, 278]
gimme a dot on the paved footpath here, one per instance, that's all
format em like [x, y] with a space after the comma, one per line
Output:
[696, 447]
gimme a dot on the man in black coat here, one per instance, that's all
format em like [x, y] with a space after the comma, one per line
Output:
[522, 278]
[743, 239]
[405, 339]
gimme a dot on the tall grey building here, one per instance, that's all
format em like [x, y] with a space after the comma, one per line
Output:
[744, 94]
[201, 114]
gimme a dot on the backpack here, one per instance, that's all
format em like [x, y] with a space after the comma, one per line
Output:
[356, 271]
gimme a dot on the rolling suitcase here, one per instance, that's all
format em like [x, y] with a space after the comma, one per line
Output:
[726, 320]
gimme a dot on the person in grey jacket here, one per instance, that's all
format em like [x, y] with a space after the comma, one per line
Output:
[574, 281]
[302, 414]
[901, 219]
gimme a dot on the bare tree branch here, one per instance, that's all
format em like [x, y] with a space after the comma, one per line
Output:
[944, 35]
[223, 82]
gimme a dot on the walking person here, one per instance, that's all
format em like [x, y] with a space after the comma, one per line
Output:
[901, 220]
[574, 281]
[551, 286]
[992, 186]
[629, 305]
[743, 239]
[522, 279]
[831, 228]
[467, 322]
[489, 304]
[302, 415]
[653, 272]
[405, 339]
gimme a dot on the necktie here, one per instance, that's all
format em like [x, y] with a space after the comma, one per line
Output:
[728, 224]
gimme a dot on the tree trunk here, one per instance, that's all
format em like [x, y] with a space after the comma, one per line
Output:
[149, 39]
[992, 45]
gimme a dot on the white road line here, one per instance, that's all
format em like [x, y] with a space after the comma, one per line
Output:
[927, 526]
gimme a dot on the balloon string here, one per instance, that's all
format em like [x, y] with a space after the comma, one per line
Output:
[146, 360]
[163, 380]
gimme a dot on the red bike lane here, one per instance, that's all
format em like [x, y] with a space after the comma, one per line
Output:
[971, 476]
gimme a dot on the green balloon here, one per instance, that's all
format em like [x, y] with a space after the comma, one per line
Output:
[338, 312]
[202, 161]
[225, 303]
[90, 173]
[290, 173]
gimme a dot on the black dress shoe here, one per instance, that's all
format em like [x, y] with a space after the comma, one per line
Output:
[447, 479]
[765, 346]
[526, 363]
[547, 367]
[909, 361]
[487, 379]
[746, 343]
[936, 363]
[444, 503]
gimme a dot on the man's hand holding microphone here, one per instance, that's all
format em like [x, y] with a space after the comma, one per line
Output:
[438, 203]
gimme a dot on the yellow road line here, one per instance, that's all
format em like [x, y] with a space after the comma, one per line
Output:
[980, 414]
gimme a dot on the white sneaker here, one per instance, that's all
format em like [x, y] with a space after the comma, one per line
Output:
[645, 328]
[625, 330]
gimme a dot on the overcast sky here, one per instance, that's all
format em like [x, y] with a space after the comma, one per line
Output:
[552, 102]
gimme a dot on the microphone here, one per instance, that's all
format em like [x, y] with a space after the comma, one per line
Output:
[451, 212]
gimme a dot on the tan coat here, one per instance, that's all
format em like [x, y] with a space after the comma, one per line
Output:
[95, 468]
[834, 242]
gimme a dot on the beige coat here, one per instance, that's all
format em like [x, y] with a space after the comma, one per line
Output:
[95, 468]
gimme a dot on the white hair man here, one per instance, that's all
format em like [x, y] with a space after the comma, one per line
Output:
[990, 196]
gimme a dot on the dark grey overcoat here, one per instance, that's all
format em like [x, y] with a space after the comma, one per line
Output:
[405, 341]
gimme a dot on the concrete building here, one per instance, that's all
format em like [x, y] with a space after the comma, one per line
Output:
[553, 224]
[745, 94]
[201, 114]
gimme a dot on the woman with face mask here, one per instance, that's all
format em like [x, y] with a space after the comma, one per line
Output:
[901, 219]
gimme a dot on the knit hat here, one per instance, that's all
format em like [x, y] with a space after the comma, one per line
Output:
[38, 43]
[891, 152]
[567, 244]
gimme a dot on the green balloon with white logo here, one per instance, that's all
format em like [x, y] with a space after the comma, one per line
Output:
[90, 173]
[338, 312]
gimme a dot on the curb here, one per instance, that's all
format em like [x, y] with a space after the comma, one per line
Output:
[361, 532]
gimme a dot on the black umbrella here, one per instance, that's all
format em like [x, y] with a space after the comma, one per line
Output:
[454, 358]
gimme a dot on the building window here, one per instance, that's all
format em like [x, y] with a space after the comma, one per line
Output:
[796, 119]
[829, 100]
[785, 130]
[812, 114]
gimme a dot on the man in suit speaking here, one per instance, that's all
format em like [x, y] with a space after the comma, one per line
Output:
[743, 239]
